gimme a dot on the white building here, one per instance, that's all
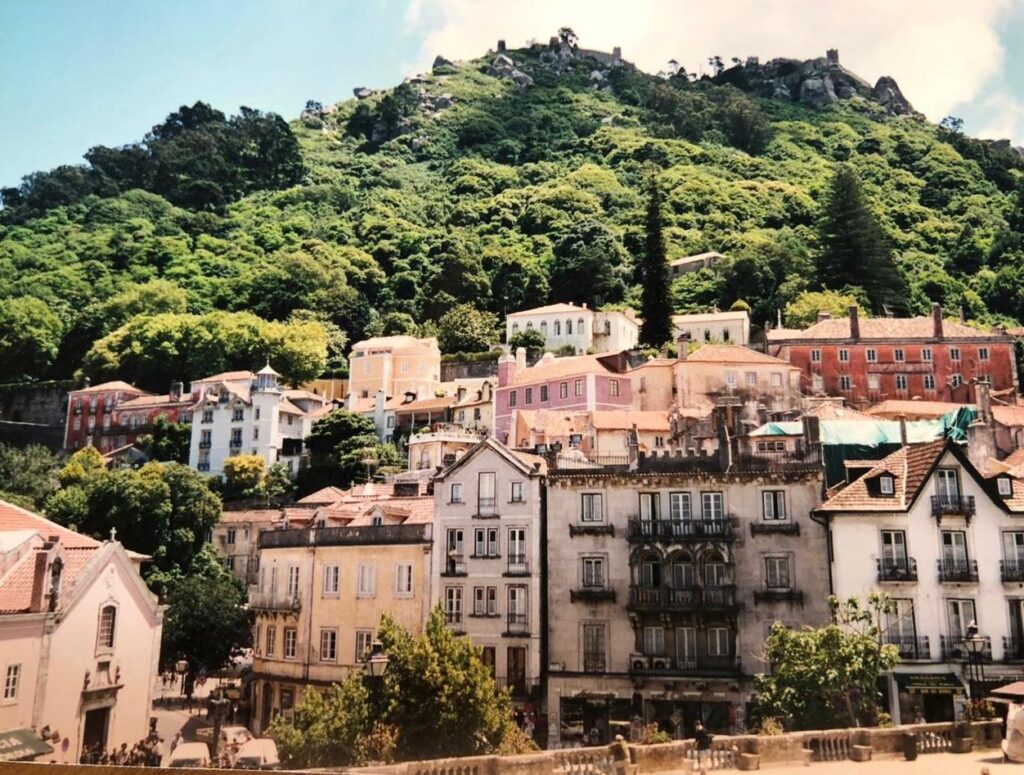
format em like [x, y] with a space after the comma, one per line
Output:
[582, 328]
[687, 264]
[923, 526]
[244, 413]
[79, 638]
[726, 327]
[487, 559]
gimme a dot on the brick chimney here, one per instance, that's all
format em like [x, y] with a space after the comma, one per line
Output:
[854, 322]
[937, 320]
[38, 601]
[506, 370]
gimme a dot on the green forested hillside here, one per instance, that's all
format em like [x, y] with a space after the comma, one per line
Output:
[466, 187]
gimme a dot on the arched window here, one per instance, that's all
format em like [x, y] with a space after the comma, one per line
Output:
[515, 329]
[715, 572]
[108, 627]
[579, 327]
[725, 335]
[558, 328]
[568, 328]
[529, 325]
[683, 573]
[544, 327]
[650, 571]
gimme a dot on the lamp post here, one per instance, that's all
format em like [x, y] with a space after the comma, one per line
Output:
[974, 645]
[376, 661]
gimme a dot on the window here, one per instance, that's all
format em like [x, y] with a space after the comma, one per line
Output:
[485, 542]
[844, 355]
[712, 507]
[578, 386]
[954, 353]
[293, 581]
[328, 645]
[960, 614]
[871, 355]
[715, 572]
[845, 383]
[982, 353]
[11, 680]
[256, 433]
[485, 601]
[332, 577]
[901, 381]
[558, 328]
[543, 394]
[108, 628]
[237, 414]
[568, 328]
[593, 572]
[456, 493]
[563, 389]
[364, 642]
[207, 416]
[929, 382]
[894, 550]
[593, 648]
[273, 580]
[654, 641]
[516, 495]
[593, 507]
[529, 395]
[684, 574]
[815, 356]
[817, 383]
[231, 532]
[649, 506]
[947, 485]
[236, 437]
[926, 354]
[516, 546]
[1013, 550]
[453, 605]
[291, 636]
[776, 572]
[730, 377]
[511, 398]
[544, 328]
[659, 441]
[955, 380]
[271, 640]
[256, 413]
[885, 485]
[898, 355]
[403, 580]
[613, 387]
[258, 640]
[367, 581]
[773, 504]
[751, 378]
[718, 641]
[679, 506]
[686, 646]
[1005, 485]
[515, 328]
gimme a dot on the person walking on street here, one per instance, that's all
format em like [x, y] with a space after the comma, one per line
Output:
[702, 740]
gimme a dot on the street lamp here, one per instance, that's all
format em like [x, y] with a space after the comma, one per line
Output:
[376, 661]
[974, 645]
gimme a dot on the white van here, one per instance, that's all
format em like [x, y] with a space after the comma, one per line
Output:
[258, 754]
[190, 755]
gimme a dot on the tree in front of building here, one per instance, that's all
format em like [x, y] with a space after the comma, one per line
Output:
[344, 448]
[436, 699]
[656, 290]
[803, 310]
[169, 441]
[531, 338]
[827, 677]
[465, 329]
[242, 475]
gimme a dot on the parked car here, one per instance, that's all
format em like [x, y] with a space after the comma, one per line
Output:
[258, 754]
[190, 755]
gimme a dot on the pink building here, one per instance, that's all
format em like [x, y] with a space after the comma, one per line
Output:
[579, 383]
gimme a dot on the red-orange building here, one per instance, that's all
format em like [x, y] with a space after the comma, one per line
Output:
[867, 360]
[115, 414]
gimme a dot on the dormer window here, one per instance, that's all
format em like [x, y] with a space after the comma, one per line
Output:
[885, 485]
[1005, 486]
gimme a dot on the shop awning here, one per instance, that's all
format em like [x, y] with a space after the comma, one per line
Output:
[1013, 692]
[21, 745]
[930, 683]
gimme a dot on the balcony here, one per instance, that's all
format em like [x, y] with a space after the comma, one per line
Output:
[203, 467]
[663, 666]
[897, 569]
[952, 506]
[591, 529]
[592, 595]
[1013, 649]
[679, 530]
[274, 601]
[953, 650]
[455, 565]
[594, 663]
[910, 646]
[517, 565]
[722, 598]
[958, 571]
[517, 625]
[1011, 570]
[778, 527]
[778, 596]
[486, 508]
[205, 444]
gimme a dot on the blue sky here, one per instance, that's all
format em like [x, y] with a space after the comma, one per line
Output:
[75, 74]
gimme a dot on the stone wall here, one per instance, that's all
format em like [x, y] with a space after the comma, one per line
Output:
[461, 370]
[34, 413]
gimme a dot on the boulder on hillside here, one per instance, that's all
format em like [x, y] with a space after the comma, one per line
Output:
[818, 91]
[443, 101]
[520, 78]
[887, 94]
[361, 92]
[440, 63]
[501, 61]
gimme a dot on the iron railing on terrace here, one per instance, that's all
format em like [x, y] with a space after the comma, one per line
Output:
[345, 536]
[953, 505]
[897, 569]
[910, 646]
[954, 649]
[661, 665]
[1011, 570]
[963, 571]
[674, 530]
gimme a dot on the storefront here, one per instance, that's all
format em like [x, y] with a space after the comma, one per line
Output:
[934, 696]
[595, 718]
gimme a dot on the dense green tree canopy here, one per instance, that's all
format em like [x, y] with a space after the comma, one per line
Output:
[465, 329]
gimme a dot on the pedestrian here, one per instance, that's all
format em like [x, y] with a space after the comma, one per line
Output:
[702, 742]
[175, 740]
[594, 736]
[158, 751]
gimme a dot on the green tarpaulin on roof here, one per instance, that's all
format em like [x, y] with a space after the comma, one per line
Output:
[21, 745]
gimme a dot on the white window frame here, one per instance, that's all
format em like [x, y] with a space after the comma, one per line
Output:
[12, 681]
[592, 507]
[778, 572]
[366, 583]
[328, 645]
[403, 580]
[331, 581]
[290, 643]
[592, 571]
[773, 506]
[718, 641]
[364, 642]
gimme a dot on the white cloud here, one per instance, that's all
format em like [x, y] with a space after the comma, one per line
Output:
[1005, 117]
[941, 52]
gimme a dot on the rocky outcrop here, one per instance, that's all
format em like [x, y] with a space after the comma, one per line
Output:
[887, 94]
[441, 65]
[361, 92]
[502, 66]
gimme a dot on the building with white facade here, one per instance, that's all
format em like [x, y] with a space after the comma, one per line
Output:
[947, 545]
[731, 327]
[584, 329]
[244, 413]
[79, 638]
[487, 559]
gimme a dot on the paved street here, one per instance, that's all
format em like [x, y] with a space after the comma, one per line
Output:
[169, 721]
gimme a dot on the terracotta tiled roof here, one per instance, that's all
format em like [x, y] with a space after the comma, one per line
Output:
[228, 376]
[250, 515]
[909, 467]
[699, 257]
[363, 405]
[300, 394]
[532, 460]
[895, 329]
[550, 308]
[893, 408]
[828, 410]
[732, 353]
[109, 386]
[643, 420]
[709, 317]
[287, 407]
[557, 368]
[420, 405]
[553, 423]
[324, 495]
[394, 341]
[16, 585]
[144, 401]
[1010, 416]
[16, 518]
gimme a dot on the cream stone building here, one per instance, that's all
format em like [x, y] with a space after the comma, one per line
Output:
[79, 637]
[666, 578]
[732, 327]
[581, 328]
[487, 560]
[395, 365]
[321, 591]
[236, 539]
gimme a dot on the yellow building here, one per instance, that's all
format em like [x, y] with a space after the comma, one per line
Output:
[394, 364]
[321, 592]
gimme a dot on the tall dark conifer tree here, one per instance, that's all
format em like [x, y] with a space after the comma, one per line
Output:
[656, 302]
[855, 250]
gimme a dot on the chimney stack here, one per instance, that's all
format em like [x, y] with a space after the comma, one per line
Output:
[937, 320]
[983, 400]
[903, 430]
[175, 392]
[520, 358]
[682, 347]
[854, 322]
[506, 370]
